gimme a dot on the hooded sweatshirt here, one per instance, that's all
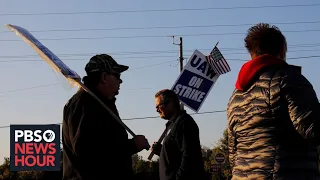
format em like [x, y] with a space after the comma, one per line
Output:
[251, 70]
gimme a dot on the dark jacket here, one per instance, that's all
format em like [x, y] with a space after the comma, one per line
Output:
[273, 122]
[181, 157]
[95, 145]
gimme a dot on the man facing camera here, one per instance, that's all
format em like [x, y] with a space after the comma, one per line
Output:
[180, 154]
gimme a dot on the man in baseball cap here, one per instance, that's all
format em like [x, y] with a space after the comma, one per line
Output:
[104, 63]
[93, 141]
[103, 72]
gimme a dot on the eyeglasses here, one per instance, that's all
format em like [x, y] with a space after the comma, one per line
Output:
[163, 103]
[116, 75]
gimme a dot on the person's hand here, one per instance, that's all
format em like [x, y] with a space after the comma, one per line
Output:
[141, 142]
[156, 148]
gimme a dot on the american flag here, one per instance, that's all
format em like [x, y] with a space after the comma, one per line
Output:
[217, 61]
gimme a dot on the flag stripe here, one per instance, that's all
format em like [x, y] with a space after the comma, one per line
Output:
[215, 66]
[226, 65]
[222, 70]
[211, 64]
[223, 64]
[220, 67]
[217, 62]
[217, 70]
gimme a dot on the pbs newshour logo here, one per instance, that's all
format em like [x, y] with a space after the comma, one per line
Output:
[34, 148]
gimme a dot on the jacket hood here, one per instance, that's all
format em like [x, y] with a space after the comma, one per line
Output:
[252, 69]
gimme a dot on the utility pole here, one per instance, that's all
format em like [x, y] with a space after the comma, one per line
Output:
[181, 105]
[181, 54]
[180, 59]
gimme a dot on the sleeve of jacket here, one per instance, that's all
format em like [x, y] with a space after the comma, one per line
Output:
[231, 147]
[132, 148]
[86, 138]
[87, 141]
[188, 136]
[303, 104]
[83, 139]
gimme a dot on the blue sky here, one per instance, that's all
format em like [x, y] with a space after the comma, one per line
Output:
[21, 69]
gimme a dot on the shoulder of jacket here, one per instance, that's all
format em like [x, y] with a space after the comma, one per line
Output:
[185, 118]
[295, 69]
[76, 98]
[292, 68]
[286, 71]
[290, 72]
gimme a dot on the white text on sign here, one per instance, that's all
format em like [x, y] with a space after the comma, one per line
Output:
[195, 81]
[202, 66]
[189, 92]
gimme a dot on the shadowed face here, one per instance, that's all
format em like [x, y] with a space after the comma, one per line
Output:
[163, 107]
[111, 83]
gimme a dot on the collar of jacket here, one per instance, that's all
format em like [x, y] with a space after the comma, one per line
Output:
[252, 69]
[175, 117]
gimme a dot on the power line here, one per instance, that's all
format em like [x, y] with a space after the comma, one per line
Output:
[34, 87]
[160, 10]
[38, 60]
[151, 65]
[301, 57]
[139, 57]
[165, 27]
[150, 36]
[151, 52]
[46, 85]
[149, 117]
[131, 69]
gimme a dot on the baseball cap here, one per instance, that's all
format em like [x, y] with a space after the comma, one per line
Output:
[104, 63]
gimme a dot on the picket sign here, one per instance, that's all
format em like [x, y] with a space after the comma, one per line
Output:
[58, 66]
[197, 79]
[192, 85]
